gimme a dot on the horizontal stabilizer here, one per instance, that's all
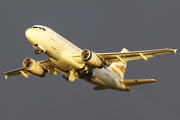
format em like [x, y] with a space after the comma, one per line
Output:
[100, 88]
[130, 82]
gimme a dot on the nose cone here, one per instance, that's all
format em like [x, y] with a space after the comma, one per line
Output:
[31, 35]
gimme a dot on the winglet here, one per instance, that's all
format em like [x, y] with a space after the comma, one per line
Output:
[175, 51]
[5, 76]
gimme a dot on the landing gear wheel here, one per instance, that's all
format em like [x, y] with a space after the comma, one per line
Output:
[65, 77]
[37, 52]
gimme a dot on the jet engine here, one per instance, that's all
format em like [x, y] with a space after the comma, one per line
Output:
[91, 58]
[34, 67]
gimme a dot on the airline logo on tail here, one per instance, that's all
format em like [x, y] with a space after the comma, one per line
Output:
[119, 68]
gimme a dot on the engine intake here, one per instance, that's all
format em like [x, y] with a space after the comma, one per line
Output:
[86, 55]
[91, 58]
[34, 67]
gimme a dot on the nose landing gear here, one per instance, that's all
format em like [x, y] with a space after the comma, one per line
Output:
[39, 49]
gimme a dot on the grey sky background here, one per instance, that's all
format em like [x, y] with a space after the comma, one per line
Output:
[101, 26]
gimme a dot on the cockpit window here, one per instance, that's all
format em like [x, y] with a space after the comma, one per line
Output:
[41, 28]
[44, 29]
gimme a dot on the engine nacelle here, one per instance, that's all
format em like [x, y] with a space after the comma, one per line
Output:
[34, 67]
[91, 58]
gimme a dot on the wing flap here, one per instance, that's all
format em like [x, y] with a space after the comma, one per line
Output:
[129, 82]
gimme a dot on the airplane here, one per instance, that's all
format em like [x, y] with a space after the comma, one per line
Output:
[105, 70]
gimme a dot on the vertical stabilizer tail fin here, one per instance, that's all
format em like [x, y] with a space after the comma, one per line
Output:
[119, 67]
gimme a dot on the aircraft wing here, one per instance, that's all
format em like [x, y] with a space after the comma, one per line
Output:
[133, 55]
[24, 72]
[17, 72]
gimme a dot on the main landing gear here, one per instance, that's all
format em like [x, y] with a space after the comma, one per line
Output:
[65, 77]
[71, 77]
[37, 52]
